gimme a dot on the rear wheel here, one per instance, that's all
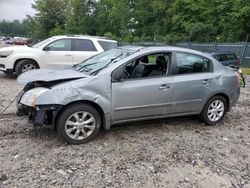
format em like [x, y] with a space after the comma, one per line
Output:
[78, 124]
[214, 110]
[24, 66]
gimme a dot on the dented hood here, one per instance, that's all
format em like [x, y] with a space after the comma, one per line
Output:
[48, 75]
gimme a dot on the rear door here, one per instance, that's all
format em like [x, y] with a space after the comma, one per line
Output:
[83, 49]
[192, 82]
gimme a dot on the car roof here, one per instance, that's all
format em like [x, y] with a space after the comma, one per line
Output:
[84, 37]
[217, 52]
[222, 53]
[131, 47]
[163, 48]
[141, 51]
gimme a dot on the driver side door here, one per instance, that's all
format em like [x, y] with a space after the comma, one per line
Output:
[137, 98]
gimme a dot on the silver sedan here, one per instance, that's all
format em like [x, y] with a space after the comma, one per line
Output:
[128, 84]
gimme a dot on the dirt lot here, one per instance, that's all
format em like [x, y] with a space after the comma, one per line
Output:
[176, 152]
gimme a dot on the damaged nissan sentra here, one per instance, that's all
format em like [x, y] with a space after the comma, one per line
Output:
[127, 84]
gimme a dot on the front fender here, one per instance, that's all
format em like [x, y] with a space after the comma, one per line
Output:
[96, 89]
[19, 56]
[66, 93]
[55, 95]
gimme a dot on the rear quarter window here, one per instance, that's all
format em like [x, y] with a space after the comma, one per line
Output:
[222, 57]
[231, 57]
[106, 45]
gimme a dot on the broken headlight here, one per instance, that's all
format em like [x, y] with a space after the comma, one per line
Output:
[30, 96]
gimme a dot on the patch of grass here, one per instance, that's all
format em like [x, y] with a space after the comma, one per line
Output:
[246, 71]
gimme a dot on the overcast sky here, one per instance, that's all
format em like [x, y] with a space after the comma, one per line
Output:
[15, 9]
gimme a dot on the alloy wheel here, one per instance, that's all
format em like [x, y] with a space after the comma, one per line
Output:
[80, 125]
[215, 110]
[28, 67]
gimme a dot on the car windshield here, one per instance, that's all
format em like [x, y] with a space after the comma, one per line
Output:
[37, 45]
[96, 63]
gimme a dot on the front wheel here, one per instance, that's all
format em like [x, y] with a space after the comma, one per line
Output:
[24, 66]
[78, 124]
[214, 110]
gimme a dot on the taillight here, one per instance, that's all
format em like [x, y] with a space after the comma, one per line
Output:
[238, 61]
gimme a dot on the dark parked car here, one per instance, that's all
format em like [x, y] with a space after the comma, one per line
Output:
[21, 41]
[226, 58]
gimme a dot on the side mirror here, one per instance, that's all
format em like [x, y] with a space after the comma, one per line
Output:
[46, 48]
[117, 75]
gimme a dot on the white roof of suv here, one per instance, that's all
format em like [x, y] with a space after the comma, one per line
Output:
[84, 37]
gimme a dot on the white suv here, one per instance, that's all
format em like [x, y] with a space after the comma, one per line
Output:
[54, 52]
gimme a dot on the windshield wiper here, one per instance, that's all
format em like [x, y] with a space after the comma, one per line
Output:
[84, 66]
[96, 71]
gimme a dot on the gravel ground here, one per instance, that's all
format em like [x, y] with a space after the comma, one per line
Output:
[176, 152]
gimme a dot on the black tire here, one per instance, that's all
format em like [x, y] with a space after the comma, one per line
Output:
[67, 113]
[204, 114]
[19, 69]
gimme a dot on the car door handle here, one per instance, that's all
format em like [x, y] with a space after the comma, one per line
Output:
[218, 77]
[68, 55]
[164, 86]
[207, 81]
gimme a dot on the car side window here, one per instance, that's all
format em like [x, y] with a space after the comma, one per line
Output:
[83, 45]
[221, 57]
[189, 63]
[147, 66]
[60, 45]
[231, 57]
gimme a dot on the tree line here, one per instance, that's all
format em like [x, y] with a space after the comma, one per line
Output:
[138, 20]
[14, 28]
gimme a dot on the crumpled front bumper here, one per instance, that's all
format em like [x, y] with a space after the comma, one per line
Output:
[5, 64]
[37, 116]
[40, 115]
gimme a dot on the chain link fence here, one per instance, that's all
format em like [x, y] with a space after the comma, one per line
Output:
[241, 49]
